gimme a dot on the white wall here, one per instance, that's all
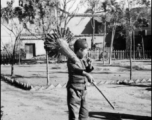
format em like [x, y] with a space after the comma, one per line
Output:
[5, 37]
[39, 46]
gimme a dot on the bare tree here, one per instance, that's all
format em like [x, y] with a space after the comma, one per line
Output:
[43, 14]
[66, 11]
[9, 21]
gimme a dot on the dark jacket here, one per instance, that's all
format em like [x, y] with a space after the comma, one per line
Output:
[76, 79]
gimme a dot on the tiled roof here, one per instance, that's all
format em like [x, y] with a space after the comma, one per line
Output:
[78, 24]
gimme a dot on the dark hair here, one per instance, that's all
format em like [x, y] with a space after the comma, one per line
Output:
[80, 44]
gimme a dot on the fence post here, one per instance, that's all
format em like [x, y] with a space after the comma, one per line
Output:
[115, 54]
[145, 54]
[118, 54]
[122, 54]
[149, 54]
[128, 54]
[135, 55]
[6, 59]
[2, 59]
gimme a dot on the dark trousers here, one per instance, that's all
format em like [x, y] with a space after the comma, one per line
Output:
[76, 101]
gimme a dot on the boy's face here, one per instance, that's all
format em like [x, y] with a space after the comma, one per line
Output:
[82, 53]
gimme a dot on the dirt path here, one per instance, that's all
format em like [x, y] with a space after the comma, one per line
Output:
[134, 103]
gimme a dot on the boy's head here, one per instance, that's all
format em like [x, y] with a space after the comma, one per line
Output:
[81, 48]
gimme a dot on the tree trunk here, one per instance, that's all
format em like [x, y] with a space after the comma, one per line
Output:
[130, 36]
[12, 69]
[19, 62]
[47, 67]
[143, 49]
[105, 29]
[134, 43]
[13, 56]
[13, 60]
[19, 56]
[111, 46]
[93, 27]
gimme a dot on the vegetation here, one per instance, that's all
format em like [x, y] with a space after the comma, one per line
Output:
[13, 25]
[130, 20]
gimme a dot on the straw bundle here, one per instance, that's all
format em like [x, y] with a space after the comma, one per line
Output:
[57, 44]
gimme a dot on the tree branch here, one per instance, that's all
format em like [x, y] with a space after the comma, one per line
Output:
[72, 5]
[9, 29]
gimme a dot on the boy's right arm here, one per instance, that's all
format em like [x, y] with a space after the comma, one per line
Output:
[73, 67]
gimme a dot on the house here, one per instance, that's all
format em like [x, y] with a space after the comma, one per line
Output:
[79, 26]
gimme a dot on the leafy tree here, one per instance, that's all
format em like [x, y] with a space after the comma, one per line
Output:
[43, 14]
[129, 21]
[13, 25]
[109, 7]
[47, 16]
[142, 23]
[115, 17]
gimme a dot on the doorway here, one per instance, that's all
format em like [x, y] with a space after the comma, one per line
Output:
[30, 50]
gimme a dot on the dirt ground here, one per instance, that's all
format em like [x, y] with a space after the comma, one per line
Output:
[35, 74]
[132, 102]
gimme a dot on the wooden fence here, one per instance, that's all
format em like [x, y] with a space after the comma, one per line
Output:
[97, 55]
[119, 55]
[7, 59]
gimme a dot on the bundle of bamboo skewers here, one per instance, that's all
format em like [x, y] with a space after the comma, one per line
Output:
[57, 44]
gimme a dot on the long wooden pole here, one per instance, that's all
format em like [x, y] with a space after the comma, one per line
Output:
[130, 36]
[107, 100]
[103, 96]
[105, 29]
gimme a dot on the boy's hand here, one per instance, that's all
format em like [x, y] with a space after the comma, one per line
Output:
[89, 77]
[89, 61]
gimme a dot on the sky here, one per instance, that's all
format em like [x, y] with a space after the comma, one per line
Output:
[3, 3]
[82, 9]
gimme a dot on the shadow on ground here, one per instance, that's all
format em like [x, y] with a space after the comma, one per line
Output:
[17, 85]
[117, 116]
[136, 85]
[21, 76]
